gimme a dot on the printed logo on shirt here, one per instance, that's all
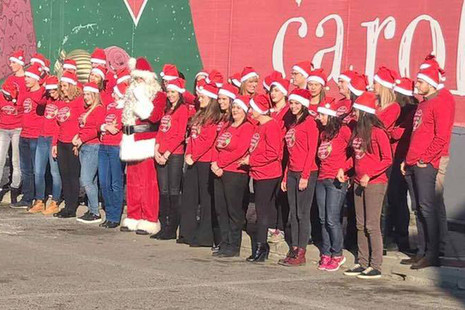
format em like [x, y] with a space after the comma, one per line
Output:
[254, 142]
[357, 146]
[9, 110]
[290, 138]
[27, 105]
[325, 149]
[312, 113]
[110, 119]
[223, 140]
[219, 126]
[51, 111]
[165, 123]
[195, 131]
[63, 114]
[111, 105]
[417, 119]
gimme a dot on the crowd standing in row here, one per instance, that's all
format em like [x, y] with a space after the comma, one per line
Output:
[189, 157]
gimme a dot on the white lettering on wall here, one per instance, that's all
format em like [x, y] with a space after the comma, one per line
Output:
[460, 69]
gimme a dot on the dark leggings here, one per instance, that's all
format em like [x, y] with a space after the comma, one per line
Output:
[70, 168]
[265, 205]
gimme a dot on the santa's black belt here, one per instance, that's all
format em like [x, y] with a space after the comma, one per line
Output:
[129, 130]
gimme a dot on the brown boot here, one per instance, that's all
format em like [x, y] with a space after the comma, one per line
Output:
[38, 207]
[52, 208]
[298, 260]
[290, 255]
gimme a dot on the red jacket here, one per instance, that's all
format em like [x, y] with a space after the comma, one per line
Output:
[114, 112]
[50, 126]
[302, 141]
[389, 116]
[265, 151]
[32, 120]
[376, 162]
[172, 131]
[89, 129]
[200, 142]
[332, 154]
[231, 145]
[68, 119]
[431, 131]
[10, 114]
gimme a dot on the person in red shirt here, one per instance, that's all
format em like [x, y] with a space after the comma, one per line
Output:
[264, 159]
[97, 75]
[388, 109]
[226, 95]
[31, 126]
[99, 59]
[317, 81]
[331, 186]
[300, 176]
[430, 137]
[198, 179]
[299, 74]
[372, 158]
[88, 144]
[70, 107]
[17, 63]
[44, 152]
[169, 155]
[110, 167]
[345, 103]
[10, 130]
[249, 82]
[231, 180]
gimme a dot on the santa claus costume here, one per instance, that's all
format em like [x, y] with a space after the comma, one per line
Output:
[141, 113]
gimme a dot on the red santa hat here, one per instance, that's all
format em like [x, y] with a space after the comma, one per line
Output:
[248, 73]
[169, 72]
[69, 77]
[200, 84]
[405, 86]
[318, 75]
[98, 57]
[235, 80]
[386, 77]
[348, 74]
[269, 79]
[69, 64]
[38, 59]
[18, 57]
[228, 90]
[141, 68]
[328, 106]
[303, 67]
[366, 102]
[243, 102]
[209, 90]
[431, 75]
[177, 85]
[120, 89]
[431, 61]
[281, 84]
[202, 72]
[47, 65]
[34, 72]
[260, 104]
[99, 70]
[51, 82]
[10, 89]
[122, 75]
[358, 84]
[91, 87]
[215, 77]
[302, 96]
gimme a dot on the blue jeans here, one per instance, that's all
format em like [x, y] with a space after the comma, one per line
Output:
[27, 155]
[88, 156]
[44, 157]
[110, 175]
[330, 195]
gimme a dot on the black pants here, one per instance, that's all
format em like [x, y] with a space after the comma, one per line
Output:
[229, 195]
[300, 203]
[265, 206]
[428, 213]
[70, 168]
[169, 184]
[196, 210]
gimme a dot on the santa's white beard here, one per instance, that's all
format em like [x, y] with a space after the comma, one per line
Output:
[150, 89]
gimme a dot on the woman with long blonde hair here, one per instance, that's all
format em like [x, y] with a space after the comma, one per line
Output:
[249, 82]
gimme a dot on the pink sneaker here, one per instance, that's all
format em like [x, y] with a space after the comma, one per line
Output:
[324, 261]
[335, 263]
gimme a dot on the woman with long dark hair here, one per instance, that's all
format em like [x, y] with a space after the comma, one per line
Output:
[316, 82]
[300, 176]
[264, 160]
[198, 183]
[372, 157]
[331, 186]
[169, 155]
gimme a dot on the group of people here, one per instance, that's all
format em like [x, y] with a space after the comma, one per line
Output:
[189, 158]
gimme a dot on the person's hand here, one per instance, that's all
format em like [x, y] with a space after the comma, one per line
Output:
[74, 140]
[75, 151]
[218, 172]
[111, 128]
[402, 168]
[188, 160]
[303, 183]
[421, 165]
[364, 180]
[244, 161]
[214, 166]
[54, 151]
[341, 175]
[159, 159]
[284, 186]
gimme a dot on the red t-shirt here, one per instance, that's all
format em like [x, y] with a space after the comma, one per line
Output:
[114, 112]
[32, 120]
[89, 129]
[388, 116]
[19, 81]
[332, 154]
[200, 142]
[50, 126]
[68, 119]
[172, 131]
[10, 114]
[376, 162]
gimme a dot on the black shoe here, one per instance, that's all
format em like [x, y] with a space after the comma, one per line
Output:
[228, 253]
[14, 195]
[410, 261]
[22, 204]
[111, 225]
[125, 229]
[89, 218]
[157, 235]
[260, 254]
[64, 214]
[199, 245]
[167, 236]
[354, 271]
[370, 273]
[424, 263]
[181, 240]
[142, 232]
